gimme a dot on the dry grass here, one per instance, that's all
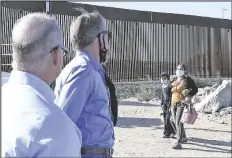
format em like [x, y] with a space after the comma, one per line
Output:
[147, 90]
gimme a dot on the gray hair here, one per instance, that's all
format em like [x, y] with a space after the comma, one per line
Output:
[85, 28]
[33, 36]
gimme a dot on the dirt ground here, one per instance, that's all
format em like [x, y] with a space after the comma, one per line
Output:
[139, 134]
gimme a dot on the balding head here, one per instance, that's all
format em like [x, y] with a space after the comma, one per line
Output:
[33, 36]
[37, 44]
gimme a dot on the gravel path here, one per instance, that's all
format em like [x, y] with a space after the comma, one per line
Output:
[140, 128]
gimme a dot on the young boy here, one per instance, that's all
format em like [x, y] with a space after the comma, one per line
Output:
[169, 127]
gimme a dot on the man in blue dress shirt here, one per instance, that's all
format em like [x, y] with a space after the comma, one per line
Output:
[32, 125]
[81, 90]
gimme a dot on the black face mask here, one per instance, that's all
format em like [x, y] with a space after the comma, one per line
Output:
[103, 51]
[102, 47]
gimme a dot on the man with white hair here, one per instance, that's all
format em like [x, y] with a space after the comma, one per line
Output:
[32, 125]
[81, 90]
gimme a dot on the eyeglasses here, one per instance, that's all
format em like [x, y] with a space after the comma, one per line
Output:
[65, 52]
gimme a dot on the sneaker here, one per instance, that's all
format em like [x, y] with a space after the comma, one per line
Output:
[172, 135]
[177, 146]
[184, 140]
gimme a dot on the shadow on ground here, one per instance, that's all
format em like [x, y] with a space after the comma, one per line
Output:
[207, 143]
[211, 130]
[130, 122]
[134, 103]
[202, 129]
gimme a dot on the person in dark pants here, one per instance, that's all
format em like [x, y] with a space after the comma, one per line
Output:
[169, 127]
[113, 98]
[180, 84]
[53, 85]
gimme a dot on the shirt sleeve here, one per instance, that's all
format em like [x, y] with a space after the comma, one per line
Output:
[193, 87]
[162, 99]
[58, 136]
[68, 145]
[75, 91]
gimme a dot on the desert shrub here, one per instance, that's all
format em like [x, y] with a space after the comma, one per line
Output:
[204, 82]
[147, 90]
[143, 91]
[124, 91]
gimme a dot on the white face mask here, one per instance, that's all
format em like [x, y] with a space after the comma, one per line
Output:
[164, 81]
[179, 73]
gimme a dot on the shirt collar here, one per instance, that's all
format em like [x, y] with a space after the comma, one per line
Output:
[88, 56]
[26, 78]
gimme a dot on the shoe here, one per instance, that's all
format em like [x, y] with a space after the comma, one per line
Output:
[166, 136]
[172, 135]
[184, 140]
[177, 146]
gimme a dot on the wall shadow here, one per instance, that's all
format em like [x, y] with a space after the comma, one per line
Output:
[131, 103]
[203, 129]
[130, 122]
[211, 130]
[210, 141]
[212, 145]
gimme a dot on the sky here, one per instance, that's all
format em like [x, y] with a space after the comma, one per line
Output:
[207, 9]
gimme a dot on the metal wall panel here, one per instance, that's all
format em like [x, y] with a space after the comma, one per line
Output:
[143, 44]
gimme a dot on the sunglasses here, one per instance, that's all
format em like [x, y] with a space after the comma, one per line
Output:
[65, 51]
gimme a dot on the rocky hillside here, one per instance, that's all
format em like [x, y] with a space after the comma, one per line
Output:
[214, 99]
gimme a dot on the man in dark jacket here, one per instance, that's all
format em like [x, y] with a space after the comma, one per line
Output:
[169, 126]
[53, 85]
[113, 99]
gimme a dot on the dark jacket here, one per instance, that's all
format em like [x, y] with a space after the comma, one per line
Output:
[191, 85]
[53, 85]
[166, 95]
[166, 91]
[113, 98]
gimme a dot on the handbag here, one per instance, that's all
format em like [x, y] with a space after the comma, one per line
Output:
[189, 115]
